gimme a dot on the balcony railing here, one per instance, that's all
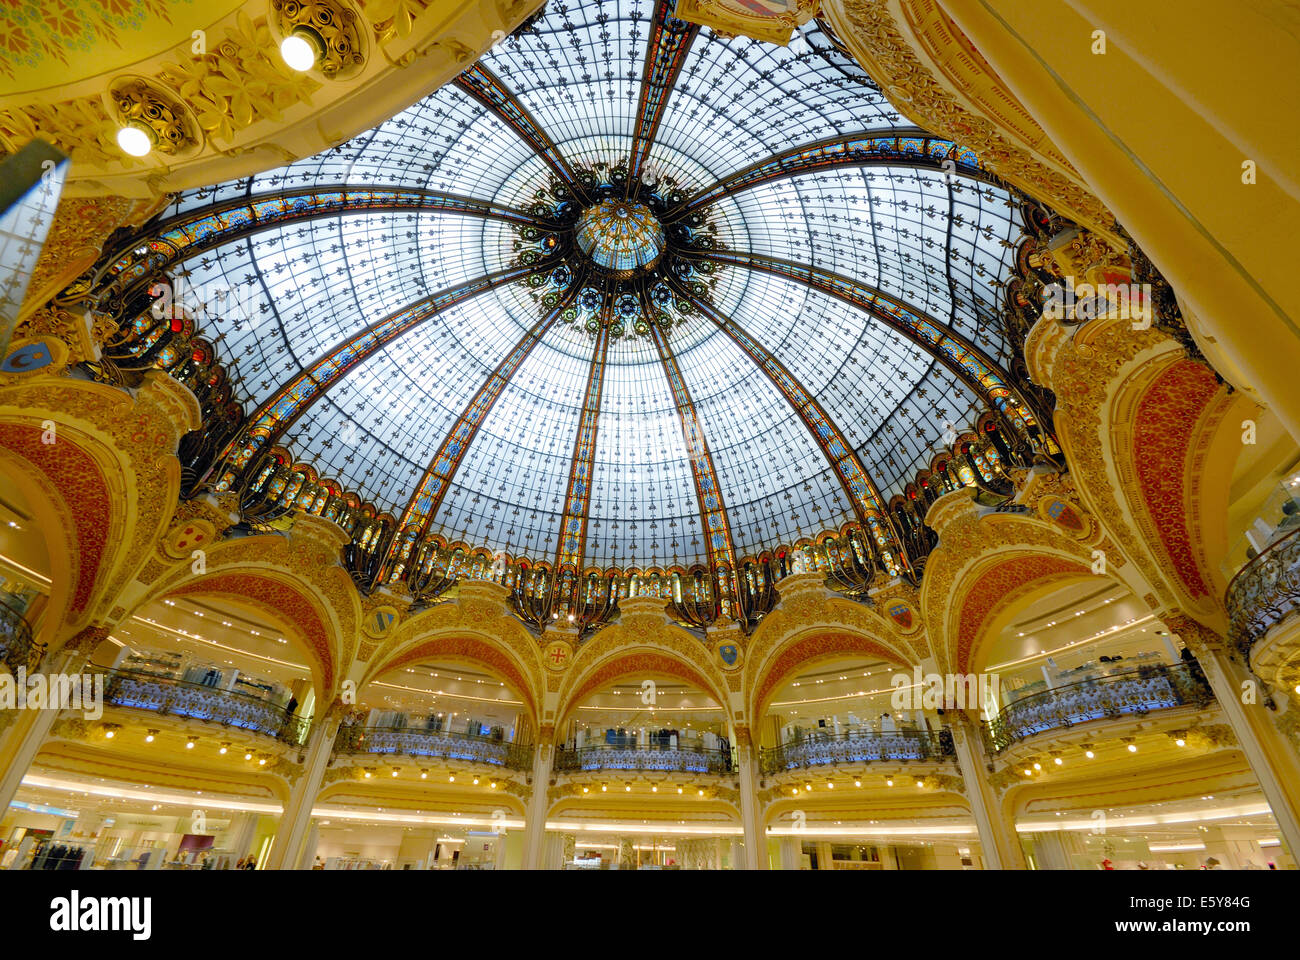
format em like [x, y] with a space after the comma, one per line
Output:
[1265, 591]
[182, 698]
[860, 747]
[645, 757]
[1132, 692]
[424, 742]
[16, 646]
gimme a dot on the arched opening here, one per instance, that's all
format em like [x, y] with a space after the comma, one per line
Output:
[644, 733]
[862, 773]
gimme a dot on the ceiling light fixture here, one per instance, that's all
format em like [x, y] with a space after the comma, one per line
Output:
[302, 48]
[135, 139]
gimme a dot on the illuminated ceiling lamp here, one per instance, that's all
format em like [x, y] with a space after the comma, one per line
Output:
[302, 48]
[136, 139]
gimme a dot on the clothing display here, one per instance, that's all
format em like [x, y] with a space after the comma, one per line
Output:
[59, 856]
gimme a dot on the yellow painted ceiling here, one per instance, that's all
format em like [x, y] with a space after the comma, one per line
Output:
[51, 43]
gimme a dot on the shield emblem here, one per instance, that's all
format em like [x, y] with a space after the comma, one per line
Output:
[729, 652]
[901, 614]
[1065, 515]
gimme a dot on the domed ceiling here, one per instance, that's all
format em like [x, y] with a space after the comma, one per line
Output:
[625, 293]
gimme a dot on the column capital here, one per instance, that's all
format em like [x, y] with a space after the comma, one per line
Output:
[85, 640]
[1199, 638]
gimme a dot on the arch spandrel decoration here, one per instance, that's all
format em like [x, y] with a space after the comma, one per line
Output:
[1166, 416]
[305, 565]
[106, 442]
[1008, 554]
[1101, 373]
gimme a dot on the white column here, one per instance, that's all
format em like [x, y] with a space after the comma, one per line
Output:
[287, 846]
[308, 858]
[240, 833]
[1272, 759]
[791, 853]
[750, 814]
[20, 743]
[535, 818]
[1000, 843]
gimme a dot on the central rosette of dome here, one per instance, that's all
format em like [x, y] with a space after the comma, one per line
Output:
[622, 236]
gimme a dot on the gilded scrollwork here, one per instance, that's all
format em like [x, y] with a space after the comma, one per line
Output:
[872, 33]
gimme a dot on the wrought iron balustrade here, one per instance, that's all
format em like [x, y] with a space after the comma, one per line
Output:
[17, 649]
[183, 698]
[1132, 692]
[1265, 591]
[858, 747]
[645, 757]
[426, 742]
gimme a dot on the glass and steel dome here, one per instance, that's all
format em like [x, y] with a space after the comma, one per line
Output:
[626, 293]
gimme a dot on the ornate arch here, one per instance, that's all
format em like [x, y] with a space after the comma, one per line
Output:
[477, 627]
[294, 580]
[1144, 430]
[809, 646]
[483, 651]
[599, 663]
[989, 564]
[97, 466]
[1164, 419]
[994, 590]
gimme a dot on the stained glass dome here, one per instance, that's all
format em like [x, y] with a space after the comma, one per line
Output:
[620, 236]
[627, 292]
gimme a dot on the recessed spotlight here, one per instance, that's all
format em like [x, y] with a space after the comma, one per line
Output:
[136, 141]
[301, 49]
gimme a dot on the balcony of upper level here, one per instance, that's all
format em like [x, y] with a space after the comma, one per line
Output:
[819, 749]
[168, 696]
[428, 738]
[1126, 693]
[17, 648]
[666, 756]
